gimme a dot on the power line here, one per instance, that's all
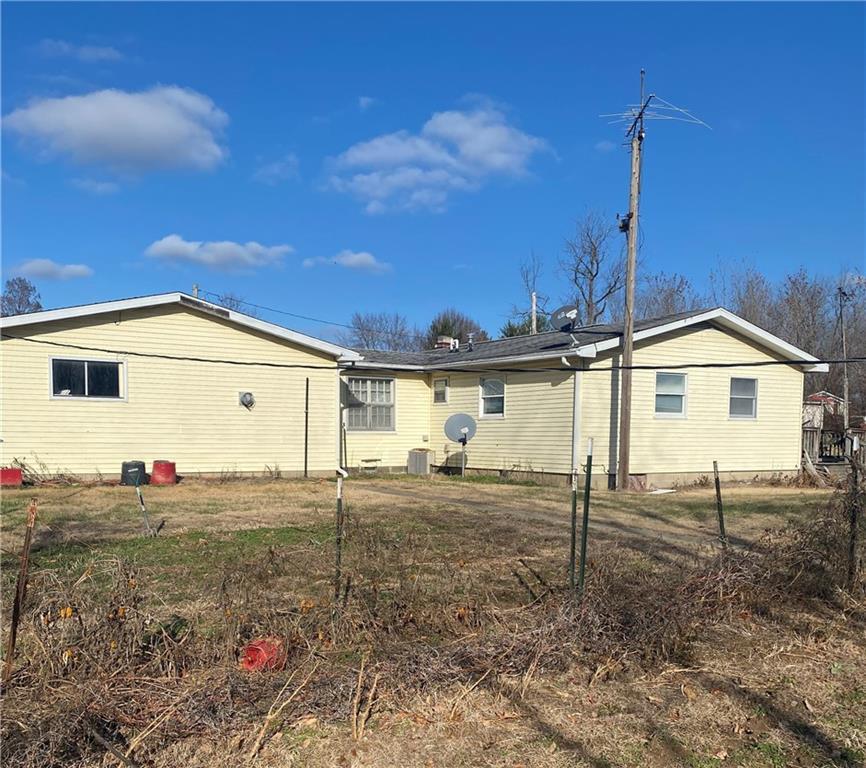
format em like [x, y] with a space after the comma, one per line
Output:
[219, 297]
[360, 365]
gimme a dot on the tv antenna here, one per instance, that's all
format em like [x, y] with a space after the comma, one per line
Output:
[460, 428]
[651, 107]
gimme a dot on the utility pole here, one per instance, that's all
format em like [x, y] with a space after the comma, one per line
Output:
[534, 322]
[631, 228]
[843, 297]
[635, 116]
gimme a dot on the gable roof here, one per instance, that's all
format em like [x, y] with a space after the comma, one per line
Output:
[342, 354]
[586, 341]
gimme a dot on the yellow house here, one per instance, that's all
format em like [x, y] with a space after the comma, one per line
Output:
[707, 386]
[165, 377]
[217, 391]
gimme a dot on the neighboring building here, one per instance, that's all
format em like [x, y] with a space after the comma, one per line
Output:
[85, 388]
[823, 410]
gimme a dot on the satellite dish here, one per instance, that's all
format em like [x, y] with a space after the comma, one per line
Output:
[460, 428]
[564, 317]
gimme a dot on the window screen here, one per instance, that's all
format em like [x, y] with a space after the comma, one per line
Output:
[440, 390]
[743, 403]
[492, 397]
[85, 378]
[670, 394]
[370, 405]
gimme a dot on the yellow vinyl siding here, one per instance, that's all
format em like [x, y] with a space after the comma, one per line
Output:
[770, 442]
[183, 411]
[534, 435]
[412, 396]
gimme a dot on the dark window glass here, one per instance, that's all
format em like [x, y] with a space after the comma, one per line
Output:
[85, 378]
[103, 379]
[68, 378]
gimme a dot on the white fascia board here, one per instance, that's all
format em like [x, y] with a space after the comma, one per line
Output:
[495, 361]
[83, 310]
[359, 364]
[728, 320]
[144, 302]
[488, 363]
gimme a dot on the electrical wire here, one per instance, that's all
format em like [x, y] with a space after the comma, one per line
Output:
[360, 364]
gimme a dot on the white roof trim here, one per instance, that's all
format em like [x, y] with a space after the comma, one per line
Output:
[142, 302]
[726, 319]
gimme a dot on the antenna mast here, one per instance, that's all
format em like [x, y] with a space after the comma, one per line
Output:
[636, 114]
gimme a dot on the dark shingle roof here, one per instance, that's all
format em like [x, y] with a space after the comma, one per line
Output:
[553, 343]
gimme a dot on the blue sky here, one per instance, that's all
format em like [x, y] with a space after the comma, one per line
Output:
[328, 158]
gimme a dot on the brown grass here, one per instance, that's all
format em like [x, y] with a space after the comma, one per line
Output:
[667, 661]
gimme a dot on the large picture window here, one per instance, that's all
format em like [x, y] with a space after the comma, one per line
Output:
[86, 378]
[370, 406]
[671, 395]
[743, 402]
[493, 398]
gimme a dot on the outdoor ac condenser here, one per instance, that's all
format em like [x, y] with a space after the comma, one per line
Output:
[420, 461]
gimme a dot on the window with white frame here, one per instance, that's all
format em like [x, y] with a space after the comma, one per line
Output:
[440, 390]
[86, 378]
[493, 397]
[670, 394]
[743, 402]
[370, 406]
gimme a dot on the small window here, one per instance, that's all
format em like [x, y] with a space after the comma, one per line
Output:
[743, 403]
[492, 397]
[670, 394]
[85, 378]
[370, 405]
[440, 390]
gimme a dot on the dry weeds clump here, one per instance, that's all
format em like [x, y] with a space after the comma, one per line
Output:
[106, 659]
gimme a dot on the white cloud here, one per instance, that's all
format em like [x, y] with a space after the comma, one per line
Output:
[284, 169]
[224, 255]
[95, 186]
[360, 260]
[46, 269]
[161, 128]
[455, 150]
[605, 146]
[89, 53]
[365, 102]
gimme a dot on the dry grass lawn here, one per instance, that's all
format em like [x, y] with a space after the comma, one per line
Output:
[433, 564]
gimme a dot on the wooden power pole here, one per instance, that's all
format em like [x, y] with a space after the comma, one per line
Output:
[631, 226]
[843, 297]
[664, 110]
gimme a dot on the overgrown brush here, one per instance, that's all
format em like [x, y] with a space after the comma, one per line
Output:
[102, 658]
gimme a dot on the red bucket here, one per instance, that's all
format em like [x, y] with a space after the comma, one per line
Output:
[164, 473]
[264, 653]
[10, 477]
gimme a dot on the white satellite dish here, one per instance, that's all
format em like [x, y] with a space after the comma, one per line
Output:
[460, 428]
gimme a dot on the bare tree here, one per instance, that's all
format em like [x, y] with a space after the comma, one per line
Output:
[20, 297]
[380, 330]
[520, 318]
[453, 323]
[593, 263]
[745, 291]
[662, 294]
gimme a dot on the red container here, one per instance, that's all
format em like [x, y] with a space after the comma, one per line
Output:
[266, 653]
[164, 473]
[10, 477]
